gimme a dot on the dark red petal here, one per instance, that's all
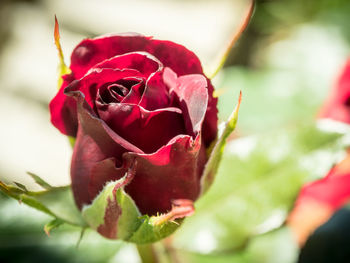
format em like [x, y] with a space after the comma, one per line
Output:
[95, 142]
[63, 111]
[192, 94]
[156, 94]
[89, 169]
[92, 51]
[143, 62]
[148, 130]
[92, 81]
[210, 124]
[135, 94]
[170, 173]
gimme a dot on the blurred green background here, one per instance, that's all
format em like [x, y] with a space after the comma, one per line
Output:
[285, 64]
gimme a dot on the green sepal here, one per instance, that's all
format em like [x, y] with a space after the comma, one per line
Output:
[129, 224]
[149, 231]
[217, 150]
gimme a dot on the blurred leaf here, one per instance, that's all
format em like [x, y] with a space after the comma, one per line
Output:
[257, 183]
[273, 98]
[40, 181]
[23, 187]
[57, 202]
[274, 247]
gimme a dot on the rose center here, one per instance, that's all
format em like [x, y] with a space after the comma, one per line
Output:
[115, 92]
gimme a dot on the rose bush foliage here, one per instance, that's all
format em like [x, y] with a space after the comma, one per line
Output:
[141, 108]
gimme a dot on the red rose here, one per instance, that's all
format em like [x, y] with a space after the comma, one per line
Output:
[132, 101]
[337, 105]
[318, 200]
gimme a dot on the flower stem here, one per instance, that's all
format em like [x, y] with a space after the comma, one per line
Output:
[147, 253]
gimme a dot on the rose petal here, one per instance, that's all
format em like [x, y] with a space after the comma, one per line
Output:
[92, 51]
[181, 60]
[135, 94]
[92, 81]
[95, 142]
[156, 94]
[148, 130]
[103, 172]
[143, 62]
[210, 124]
[337, 106]
[332, 190]
[170, 173]
[192, 96]
[63, 111]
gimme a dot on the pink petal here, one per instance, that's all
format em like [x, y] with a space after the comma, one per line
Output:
[337, 106]
[192, 96]
[332, 190]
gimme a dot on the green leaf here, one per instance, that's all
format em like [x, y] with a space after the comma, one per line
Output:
[212, 165]
[23, 187]
[52, 225]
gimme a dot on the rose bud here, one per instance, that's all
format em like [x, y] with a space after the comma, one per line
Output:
[143, 116]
